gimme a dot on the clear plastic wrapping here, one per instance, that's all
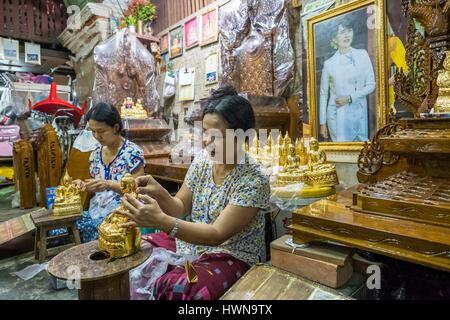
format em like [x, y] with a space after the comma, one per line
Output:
[125, 68]
[257, 55]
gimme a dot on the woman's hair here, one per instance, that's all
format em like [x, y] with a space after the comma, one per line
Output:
[234, 109]
[346, 24]
[106, 113]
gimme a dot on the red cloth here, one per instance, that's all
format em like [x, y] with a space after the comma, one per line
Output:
[216, 273]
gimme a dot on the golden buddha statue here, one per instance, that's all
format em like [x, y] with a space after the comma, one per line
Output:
[262, 153]
[293, 160]
[67, 199]
[117, 241]
[254, 149]
[130, 110]
[316, 156]
[320, 172]
[302, 152]
[269, 146]
[311, 168]
[442, 105]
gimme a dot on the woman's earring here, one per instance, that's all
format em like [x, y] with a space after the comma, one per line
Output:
[333, 44]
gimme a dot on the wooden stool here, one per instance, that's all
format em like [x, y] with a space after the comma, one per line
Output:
[44, 222]
[100, 277]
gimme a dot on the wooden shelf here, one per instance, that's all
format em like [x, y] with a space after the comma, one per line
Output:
[145, 38]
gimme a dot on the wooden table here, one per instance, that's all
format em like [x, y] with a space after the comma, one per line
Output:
[101, 278]
[333, 219]
[264, 282]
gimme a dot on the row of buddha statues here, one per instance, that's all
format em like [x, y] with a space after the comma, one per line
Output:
[295, 163]
[131, 110]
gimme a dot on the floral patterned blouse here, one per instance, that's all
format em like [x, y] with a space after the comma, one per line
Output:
[245, 186]
[129, 158]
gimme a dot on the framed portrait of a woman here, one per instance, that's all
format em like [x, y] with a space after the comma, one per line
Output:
[347, 93]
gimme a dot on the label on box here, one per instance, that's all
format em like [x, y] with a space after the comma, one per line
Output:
[50, 197]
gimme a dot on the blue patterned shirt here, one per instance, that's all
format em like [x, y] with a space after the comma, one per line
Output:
[129, 158]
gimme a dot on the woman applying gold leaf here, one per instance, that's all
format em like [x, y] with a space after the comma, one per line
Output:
[115, 157]
[224, 203]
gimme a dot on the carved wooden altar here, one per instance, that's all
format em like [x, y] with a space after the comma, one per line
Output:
[403, 210]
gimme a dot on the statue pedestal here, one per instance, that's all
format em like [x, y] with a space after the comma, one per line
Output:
[101, 278]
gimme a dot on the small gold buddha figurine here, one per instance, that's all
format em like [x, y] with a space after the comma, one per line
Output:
[284, 152]
[320, 172]
[254, 149]
[293, 161]
[315, 155]
[129, 110]
[302, 152]
[117, 241]
[67, 198]
[287, 140]
[269, 145]
[442, 105]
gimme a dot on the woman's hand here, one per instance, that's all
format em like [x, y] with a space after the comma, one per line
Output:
[97, 185]
[79, 184]
[147, 185]
[342, 101]
[324, 131]
[144, 212]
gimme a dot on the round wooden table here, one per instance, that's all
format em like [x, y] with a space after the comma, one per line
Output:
[100, 277]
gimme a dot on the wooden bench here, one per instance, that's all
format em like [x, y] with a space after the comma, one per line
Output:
[45, 222]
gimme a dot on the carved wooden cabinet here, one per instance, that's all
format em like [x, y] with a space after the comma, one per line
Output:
[405, 210]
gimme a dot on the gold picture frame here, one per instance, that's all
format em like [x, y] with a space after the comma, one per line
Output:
[209, 26]
[377, 111]
[176, 42]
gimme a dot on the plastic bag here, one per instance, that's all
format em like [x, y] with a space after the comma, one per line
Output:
[143, 278]
[85, 142]
[125, 68]
[102, 204]
[6, 99]
[31, 271]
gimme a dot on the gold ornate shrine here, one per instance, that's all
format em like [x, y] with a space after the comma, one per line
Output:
[131, 110]
[67, 199]
[403, 210]
[117, 241]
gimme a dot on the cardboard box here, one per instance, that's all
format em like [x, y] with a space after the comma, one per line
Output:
[327, 264]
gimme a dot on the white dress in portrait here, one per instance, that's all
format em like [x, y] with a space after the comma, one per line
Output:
[344, 75]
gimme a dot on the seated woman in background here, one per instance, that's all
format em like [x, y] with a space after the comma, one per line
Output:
[226, 225]
[115, 157]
